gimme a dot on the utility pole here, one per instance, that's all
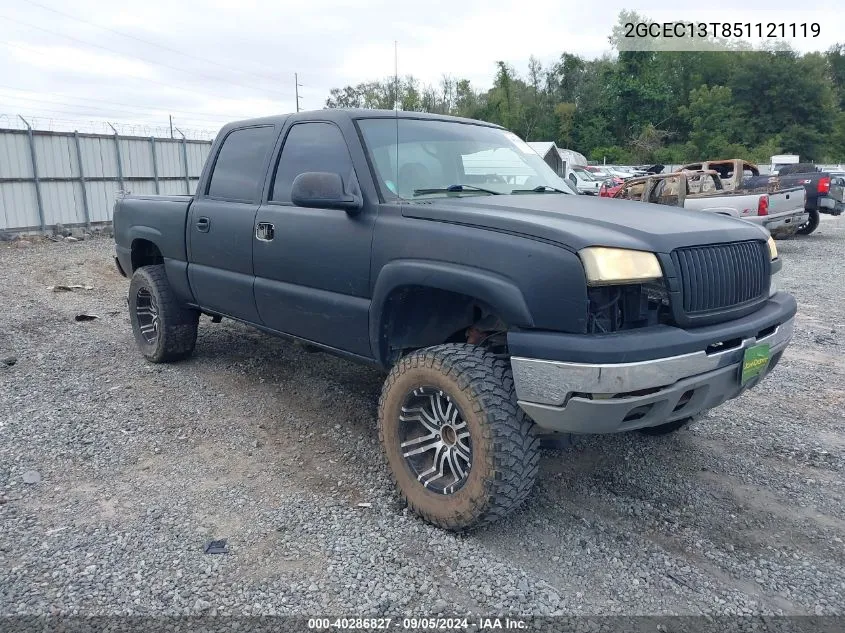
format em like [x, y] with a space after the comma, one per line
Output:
[297, 85]
[396, 74]
[170, 116]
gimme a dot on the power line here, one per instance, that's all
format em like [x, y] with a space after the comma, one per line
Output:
[193, 91]
[138, 57]
[120, 103]
[151, 43]
[87, 108]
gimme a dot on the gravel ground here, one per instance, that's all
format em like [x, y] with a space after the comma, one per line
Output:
[267, 445]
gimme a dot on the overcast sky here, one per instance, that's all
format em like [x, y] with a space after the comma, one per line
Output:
[134, 62]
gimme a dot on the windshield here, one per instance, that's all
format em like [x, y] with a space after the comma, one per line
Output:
[583, 174]
[417, 159]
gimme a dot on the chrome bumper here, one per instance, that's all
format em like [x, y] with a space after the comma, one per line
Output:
[585, 398]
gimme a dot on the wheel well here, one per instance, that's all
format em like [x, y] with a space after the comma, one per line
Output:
[419, 316]
[145, 253]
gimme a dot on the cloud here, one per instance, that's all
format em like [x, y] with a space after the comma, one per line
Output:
[219, 59]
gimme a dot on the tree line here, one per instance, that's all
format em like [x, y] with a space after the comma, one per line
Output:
[649, 106]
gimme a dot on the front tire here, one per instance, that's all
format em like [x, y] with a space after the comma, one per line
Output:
[461, 451]
[164, 329]
[810, 225]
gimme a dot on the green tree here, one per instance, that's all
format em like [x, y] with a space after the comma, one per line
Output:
[644, 106]
[714, 121]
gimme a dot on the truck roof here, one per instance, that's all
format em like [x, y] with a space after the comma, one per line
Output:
[338, 114]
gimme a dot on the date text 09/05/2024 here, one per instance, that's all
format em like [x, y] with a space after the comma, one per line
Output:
[696, 30]
[410, 624]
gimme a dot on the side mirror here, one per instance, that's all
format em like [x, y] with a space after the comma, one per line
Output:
[324, 190]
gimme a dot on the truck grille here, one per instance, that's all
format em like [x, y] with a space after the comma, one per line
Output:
[723, 276]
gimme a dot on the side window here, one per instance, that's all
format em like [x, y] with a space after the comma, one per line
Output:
[311, 147]
[239, 169]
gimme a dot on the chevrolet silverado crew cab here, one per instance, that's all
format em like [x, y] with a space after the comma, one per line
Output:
[445, 251]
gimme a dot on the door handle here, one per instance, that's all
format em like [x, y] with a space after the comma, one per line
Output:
[203, 224]
[264, 231]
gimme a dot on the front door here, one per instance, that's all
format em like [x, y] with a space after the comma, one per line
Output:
[312, 266]
[221, 221]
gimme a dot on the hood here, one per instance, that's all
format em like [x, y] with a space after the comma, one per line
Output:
[576, 222]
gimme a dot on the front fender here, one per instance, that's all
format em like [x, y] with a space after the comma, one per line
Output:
[496, 291]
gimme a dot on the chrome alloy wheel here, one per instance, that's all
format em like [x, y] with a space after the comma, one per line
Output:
[146, 311]
[435, 440]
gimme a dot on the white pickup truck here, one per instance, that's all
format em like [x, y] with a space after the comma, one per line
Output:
[781, 211]
[584, 181]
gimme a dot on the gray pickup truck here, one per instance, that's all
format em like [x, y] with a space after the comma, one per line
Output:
[502, 307]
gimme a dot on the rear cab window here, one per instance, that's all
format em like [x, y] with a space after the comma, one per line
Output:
[240, 166]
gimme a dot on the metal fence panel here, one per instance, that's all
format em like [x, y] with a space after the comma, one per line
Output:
[56, 156]
[80, 176]
[14, 156]
[137, 158]
[18, 206]
[141, 187]
[60, 202]
[98, 158]
[169, 158]
[101, 197]
[197, 153]
[173, 188]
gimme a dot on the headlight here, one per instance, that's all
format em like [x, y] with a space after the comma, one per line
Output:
[606, 266]
[773, 248]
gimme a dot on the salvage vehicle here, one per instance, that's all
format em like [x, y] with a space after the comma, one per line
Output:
[732, 172]
[503, 307]
[780, 212]
[822, 194]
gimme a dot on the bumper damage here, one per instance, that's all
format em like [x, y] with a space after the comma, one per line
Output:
[608, 398]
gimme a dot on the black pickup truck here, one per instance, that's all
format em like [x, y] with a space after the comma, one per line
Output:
[503, 307]
[825, 191]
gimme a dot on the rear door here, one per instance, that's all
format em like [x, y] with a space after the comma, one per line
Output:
[312, 266]
[221, 224]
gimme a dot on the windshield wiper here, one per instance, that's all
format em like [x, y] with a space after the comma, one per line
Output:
[541, 189]
[454, 189]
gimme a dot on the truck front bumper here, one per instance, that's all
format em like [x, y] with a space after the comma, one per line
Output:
[587, 397]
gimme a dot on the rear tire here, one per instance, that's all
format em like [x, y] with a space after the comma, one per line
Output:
[164, 329]
[461, 451]
[810, 225]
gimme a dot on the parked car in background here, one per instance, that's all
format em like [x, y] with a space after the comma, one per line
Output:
[780, 212]
[610, 186]
[619, 171]
[825, 192]
[584, 181]
[782, 160]
[601, 172]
